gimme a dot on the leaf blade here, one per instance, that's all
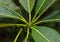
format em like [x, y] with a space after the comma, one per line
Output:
[38, 7]
[52, 17]
[51, 34]
[5, 11]
[46, 5]
[39, 35]
[10, 13]
[27, 4]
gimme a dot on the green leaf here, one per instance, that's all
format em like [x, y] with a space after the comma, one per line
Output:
[50, 34]
[42, 7]
[46, 5]
[7, 12]
[27, 4]
[52, 17]
[39, 4]
[10, 4]
[38, 36]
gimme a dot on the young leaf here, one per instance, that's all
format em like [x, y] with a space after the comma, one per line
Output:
[27, 4]
[38, 36]
[52, 35]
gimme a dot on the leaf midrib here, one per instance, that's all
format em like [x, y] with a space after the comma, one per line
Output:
[6, 25]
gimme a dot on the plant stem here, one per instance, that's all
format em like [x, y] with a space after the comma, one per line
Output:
[27, 35]
[6, 25]
[29, 12]
[18, 35]
[29, 18]
[50, 20]
[22, 19]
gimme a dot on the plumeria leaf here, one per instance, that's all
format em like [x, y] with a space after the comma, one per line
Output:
[53, 17]
[38, 36]
[27, 4]
[10, 4]
[42, 6]
[51, 34]
[7, 12]
[39, 5]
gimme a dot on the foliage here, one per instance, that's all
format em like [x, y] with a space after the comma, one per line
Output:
[27, 17]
